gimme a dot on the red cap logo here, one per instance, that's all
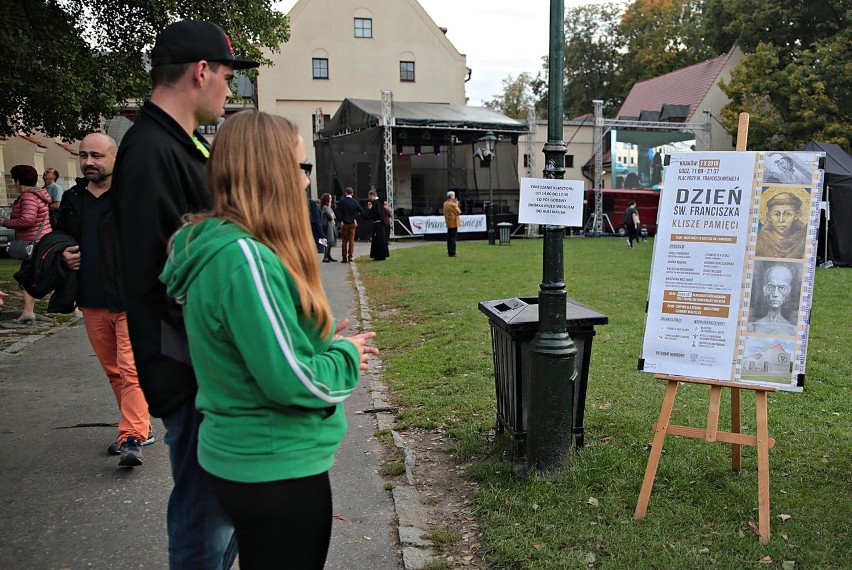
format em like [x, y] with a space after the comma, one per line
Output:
[230, 47]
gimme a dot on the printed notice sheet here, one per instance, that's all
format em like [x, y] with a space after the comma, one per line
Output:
[551, 201]
[731, 281]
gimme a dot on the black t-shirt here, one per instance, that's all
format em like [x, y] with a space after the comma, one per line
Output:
[92, 293]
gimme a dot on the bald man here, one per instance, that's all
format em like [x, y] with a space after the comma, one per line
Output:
[777, 289]
[85, 214]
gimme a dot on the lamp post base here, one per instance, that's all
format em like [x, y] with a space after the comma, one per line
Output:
[492, 238]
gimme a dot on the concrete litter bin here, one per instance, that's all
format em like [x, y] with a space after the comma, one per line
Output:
[514, 323]
[505, 231]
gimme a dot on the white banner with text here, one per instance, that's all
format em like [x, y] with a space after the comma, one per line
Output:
[437, 225]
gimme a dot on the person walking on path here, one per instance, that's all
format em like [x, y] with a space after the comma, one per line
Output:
[452, 217]
[272, 375]
[159, 176]
[320, 241]
[631, 222]
[379, 245]
[348, 212]
[30, 220]
[329, 225]
[85, 215]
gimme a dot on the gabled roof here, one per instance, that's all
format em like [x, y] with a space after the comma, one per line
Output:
[686, 86]
[36, 142]
[68, 148]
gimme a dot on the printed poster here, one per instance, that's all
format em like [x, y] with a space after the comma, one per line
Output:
[732, 275]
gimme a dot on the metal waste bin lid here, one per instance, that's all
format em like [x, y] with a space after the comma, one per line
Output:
[521, 313]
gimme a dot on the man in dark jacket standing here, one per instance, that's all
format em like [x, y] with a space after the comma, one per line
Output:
[159, 176]
[84, 214]
[348, 212]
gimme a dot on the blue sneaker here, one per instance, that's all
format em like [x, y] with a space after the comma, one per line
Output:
[114, 449]
[131, 452]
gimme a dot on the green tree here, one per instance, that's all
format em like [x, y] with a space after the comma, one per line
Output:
[593, 54]
[796, 78]
[517, 96]
[665, 35]
[789, 105]
[69, 63]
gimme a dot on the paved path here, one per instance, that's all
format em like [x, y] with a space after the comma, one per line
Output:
[65, 504]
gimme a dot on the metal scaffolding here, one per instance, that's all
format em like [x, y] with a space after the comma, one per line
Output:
[597, 220]
[701, 131]
[387, 126]
[531, 230]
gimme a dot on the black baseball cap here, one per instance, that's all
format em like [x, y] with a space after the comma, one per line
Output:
[189, 41]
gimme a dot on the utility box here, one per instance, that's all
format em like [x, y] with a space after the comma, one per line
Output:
[505, 231]
[514, 324]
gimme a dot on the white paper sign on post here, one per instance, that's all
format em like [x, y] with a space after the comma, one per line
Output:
[551, 201]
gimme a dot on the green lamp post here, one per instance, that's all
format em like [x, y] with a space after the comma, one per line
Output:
[490, 142]
[552, 360]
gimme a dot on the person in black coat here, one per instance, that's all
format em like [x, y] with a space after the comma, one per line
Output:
[316, 223]
[376, 213]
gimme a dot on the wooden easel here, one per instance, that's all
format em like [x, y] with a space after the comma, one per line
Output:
[761, 441]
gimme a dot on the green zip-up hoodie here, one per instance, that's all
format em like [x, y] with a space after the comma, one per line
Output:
[269, 385]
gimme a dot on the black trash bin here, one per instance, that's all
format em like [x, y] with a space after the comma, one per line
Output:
[514, 323]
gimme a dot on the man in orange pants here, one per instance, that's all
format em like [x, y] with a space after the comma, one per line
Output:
[85, 214]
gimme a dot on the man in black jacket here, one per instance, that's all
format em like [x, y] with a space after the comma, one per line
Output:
[348, 212]
[159, 176]
[84, 214]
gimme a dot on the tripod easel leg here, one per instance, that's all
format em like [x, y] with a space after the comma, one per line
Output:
[736, 454]
[656, 449]
[763, 466]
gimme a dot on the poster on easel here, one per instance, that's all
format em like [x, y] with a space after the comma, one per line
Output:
[732, 272]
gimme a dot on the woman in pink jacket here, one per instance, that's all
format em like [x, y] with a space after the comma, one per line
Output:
[28, 212]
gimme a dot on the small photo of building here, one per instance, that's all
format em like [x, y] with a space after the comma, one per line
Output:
[768, 359]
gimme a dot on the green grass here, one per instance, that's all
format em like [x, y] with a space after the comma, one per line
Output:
[436, 350]
[392, 468]
[14, 303]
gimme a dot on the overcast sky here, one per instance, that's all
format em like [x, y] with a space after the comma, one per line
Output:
[499, 37]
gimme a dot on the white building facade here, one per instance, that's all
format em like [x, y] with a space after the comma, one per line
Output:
[342, 49]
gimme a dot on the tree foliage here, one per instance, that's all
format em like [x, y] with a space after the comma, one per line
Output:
[796, 78]
[789, 105]
[662, 36]
[71, 62]
[593, 57]
[518, 96]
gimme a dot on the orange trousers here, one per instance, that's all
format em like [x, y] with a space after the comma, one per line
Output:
[111, 342]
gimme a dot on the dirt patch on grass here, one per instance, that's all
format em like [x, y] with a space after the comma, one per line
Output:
[445, 493]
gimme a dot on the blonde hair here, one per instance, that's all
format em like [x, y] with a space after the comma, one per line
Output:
[256, 181]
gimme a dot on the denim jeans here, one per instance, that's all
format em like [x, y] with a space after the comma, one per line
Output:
[201, 536]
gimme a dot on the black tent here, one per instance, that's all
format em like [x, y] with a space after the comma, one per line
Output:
[435, 143]
[838, 194]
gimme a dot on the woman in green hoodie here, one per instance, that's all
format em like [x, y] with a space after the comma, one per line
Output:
[272, 371]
